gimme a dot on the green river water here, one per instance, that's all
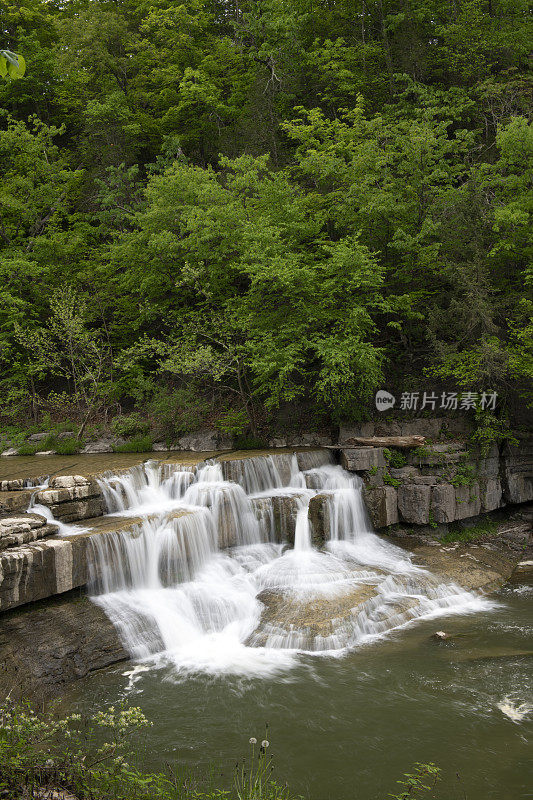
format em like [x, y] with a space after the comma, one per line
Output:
[347, 728]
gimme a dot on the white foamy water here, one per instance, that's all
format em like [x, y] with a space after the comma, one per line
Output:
[189, 583]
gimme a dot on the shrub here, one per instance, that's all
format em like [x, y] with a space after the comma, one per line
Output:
[40, 753]
[29, 448]
[67, 447]
[394, 458]
[465, 475]
[139, 444]
[131, 425]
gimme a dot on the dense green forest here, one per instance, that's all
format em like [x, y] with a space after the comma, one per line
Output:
[222, 210]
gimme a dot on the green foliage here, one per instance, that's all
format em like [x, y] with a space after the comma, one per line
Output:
[249, 443]
[130, 425]
[176, 412]
[138, 444]
[456, 533]
[422, 780]
[263, 206]
[92, 758]
[68, 446]
[465, 475]
[28, 449]
[491, 430]
[12, 65]
[389, 480]
[394, 458]
[232, 422]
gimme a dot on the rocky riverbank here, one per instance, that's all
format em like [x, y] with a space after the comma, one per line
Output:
[47, 644]
[53, 634]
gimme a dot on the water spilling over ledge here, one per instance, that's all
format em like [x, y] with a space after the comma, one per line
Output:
[239, 565]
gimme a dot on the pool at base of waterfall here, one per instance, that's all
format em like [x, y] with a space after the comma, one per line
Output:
[345, 728]
[239, 609]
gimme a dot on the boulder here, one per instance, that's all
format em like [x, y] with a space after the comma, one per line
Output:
[68, 482]
[320, 519]
[467, 501]
[382, 505]
[101, 446]
[10, 451]
[442, 504]
[361, 459]
[278, 441]
[199, 441]
[414, 503]
[17, 501]
[38, 437]
[71, 498]
[14, 485]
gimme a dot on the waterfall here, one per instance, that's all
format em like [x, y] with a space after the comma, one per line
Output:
[218, 570]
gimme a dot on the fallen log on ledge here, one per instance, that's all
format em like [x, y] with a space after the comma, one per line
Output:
[382, 441]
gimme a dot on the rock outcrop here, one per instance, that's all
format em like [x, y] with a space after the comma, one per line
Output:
[17, 529]
[72, 498]
[53, 642]
[34, 571]
[438, 483]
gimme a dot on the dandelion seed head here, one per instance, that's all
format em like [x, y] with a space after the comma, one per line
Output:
[265, 743]
[253, 740]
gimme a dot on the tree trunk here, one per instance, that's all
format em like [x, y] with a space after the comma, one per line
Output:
[404, 442]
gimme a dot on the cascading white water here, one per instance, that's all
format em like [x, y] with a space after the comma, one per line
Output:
[201, 578]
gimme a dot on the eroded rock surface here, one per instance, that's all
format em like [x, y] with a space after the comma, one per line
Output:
[53, 642]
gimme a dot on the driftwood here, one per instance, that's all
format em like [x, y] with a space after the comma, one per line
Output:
[383, 441]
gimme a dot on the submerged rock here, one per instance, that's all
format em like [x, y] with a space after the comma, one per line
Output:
[290, 620]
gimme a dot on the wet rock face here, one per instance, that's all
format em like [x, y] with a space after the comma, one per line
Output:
[285, 510]
[47, 567]
[474, 567]
[51, 643]
[277, 515]
[382, 506]
[71, 498]
[302, 621]
[441, 482]
[320, 519]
